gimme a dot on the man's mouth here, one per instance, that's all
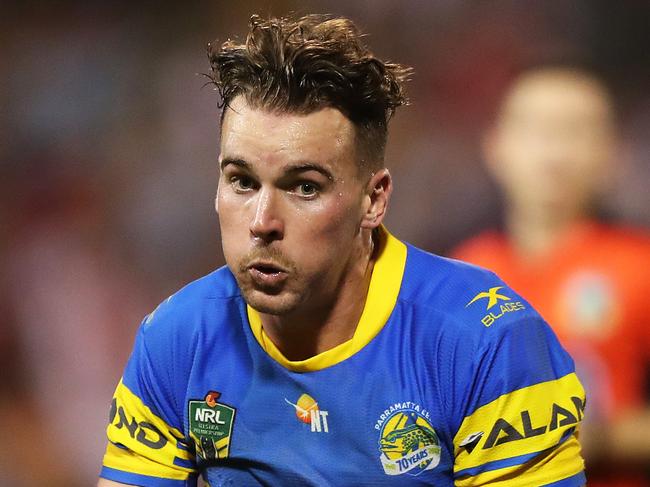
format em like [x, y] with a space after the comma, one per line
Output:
[266, 274]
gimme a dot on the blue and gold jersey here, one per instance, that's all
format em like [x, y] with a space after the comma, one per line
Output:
[451, 378]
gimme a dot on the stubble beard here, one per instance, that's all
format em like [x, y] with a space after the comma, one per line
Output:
[271, 305]
[274, 300]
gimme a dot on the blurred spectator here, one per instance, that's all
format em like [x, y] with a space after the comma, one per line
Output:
[71, 309]
[552, 149]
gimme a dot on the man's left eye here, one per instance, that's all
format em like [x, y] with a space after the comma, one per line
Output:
[307, 189]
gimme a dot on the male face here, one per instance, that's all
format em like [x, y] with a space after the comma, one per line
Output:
[552, 143]
[290, 203]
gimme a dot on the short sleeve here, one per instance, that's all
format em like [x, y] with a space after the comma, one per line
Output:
[524, 403]
[146, 446]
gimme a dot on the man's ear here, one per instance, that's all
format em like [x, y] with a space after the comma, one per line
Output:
[378, 191]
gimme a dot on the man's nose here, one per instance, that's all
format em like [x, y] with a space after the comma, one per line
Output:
[267, 224]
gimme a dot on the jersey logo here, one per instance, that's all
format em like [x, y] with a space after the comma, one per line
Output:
[211, 424]
[471, 441]
[407, 441]
[504, 431]
[142, 431]
[307, 411]
[493, 297]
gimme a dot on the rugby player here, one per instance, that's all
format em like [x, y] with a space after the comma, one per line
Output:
[327, 351]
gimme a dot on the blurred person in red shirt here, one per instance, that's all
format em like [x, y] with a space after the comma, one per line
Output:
[551, 149]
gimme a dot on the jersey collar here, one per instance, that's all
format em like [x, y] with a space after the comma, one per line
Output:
[382, 295]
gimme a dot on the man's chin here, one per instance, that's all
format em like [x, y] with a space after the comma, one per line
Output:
[277, 304]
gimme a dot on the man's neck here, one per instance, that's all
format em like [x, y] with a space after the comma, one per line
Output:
[308, 332]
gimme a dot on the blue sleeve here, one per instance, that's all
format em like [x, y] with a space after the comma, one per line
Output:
[146, 445]
[520, 406]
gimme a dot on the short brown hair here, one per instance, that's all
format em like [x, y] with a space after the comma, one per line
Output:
[309, 63]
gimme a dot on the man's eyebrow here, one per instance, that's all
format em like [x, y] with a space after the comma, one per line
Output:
[290, 169]
[236, 161]
[309, 166]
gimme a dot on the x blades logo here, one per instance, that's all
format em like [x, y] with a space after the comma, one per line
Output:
[493, 297]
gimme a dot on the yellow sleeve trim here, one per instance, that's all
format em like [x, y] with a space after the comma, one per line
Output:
[560, 463]
[384, 288]
[525, 421]
[150, 444]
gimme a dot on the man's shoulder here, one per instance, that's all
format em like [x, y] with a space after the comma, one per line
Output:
[201, 318]
[434, 280]
[213, 298]
[466, 317]
[218, 284]
[467, 298]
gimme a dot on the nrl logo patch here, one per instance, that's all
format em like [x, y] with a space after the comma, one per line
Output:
[211, 425]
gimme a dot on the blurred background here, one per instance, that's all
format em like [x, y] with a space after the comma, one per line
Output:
[108, 148]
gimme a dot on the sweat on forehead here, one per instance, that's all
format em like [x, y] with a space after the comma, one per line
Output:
[324, 134]
[251, 134]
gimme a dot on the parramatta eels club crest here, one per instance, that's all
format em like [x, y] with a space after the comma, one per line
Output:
[408, 444]
[211, 425]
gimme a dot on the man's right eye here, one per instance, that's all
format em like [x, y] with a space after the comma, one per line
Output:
[242, 183]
